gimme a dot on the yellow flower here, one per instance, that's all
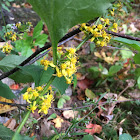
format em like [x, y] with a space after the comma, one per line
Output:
[64, 72]
[69, 72]
[107, 21]
[100, 27]
[112, 12]
[102, 44]
[63, 66]
[35, 94]
[92, 39]
[115, 25]
[73, 60]
[29, 89]
[7, 48]
[26, 96]
[39, 88]
[58, 72]
[98, 42]
[33, 107]
[44, 109]
[71, 51]
[68, 80]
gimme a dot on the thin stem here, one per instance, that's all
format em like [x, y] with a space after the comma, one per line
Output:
[21, 125]
[55, 54]
[3, 19]
[79, 46]
[28, 113]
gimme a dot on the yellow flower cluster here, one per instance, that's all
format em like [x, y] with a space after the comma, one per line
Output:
[11, 35]
[65, 68]
[44, 102]
[99, 35]
[6, 48]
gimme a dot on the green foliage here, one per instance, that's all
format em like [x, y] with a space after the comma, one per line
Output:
[57, 13]
[125, 137]
[88, 137]
[6, 92]
[114, 69]
[6, 134]
[26, 44]
[62, 100]
[131, 43]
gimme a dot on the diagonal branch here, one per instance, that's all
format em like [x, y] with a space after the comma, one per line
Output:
[123, 35]
[68, 35]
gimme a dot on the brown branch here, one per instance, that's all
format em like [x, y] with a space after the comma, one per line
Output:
[123, 35]
[68, 35]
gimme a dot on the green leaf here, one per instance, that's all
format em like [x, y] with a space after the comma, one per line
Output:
[94, 72]
[61, 102]
[88, 137]
[125, 137]
[52, 116]
[6, 134]
[38, 29]
[61, 15]
[60, 84]
[34, 72]
[114, 69]
[137, 58]
[138, 82]
[2, 55]
[89, 94]
[21, 77]
[41, 40]
[126, 53]
[6, 92]
[11, 61]
[132, 43]
[66, 97]
[24, 46]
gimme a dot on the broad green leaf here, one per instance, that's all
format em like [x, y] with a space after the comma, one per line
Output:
[59, 83]
[38, 29]
[61, 102]
[88, 137]
[126, 53]
[66, 97]
[11, 61]
[24, 46]
[94, 72]
[114, 69]
[52, 116]
[137, 72]
[21, 77]
[89, 94]
[34, 72]
[2, 55]
[125, 137]
[61, 15]
[41, 40]
[138, 82]
[45, 76]
[6, 92]
[137, 58]
[6, 134]
[132, 43]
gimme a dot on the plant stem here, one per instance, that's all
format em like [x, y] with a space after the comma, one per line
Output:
[54, 53]
[28, 113]
[79, 46]
[21, 125]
